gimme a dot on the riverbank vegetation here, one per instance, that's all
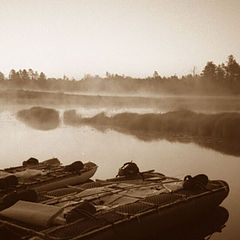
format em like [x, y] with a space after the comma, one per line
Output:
[222, 79]
[220, 131]
[182, 123]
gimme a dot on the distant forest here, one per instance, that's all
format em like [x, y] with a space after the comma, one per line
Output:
[222, 79]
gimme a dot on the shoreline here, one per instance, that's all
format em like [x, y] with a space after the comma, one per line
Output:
[169, 103]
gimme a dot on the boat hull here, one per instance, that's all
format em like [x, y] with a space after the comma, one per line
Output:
[68, 180]
[163, 212]
[160, 210]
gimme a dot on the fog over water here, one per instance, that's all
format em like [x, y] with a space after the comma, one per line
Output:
[110, 146]
[152, 81]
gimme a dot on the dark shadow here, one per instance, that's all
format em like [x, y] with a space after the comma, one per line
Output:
[39, 118]
[198, 228]
[220, 132]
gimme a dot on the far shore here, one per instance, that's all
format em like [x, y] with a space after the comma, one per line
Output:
[163, 102]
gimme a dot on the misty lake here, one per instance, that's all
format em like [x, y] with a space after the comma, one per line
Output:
[110, 149]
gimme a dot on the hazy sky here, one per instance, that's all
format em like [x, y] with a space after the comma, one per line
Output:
[131, 37]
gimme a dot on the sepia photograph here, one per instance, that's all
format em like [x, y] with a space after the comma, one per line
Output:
[119, 119]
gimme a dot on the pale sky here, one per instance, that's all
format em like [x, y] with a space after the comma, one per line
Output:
[131, 37]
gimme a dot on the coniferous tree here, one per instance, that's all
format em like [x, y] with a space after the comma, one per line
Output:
[155, 74]
[232, 68]
[42, 77]
[220, 73]
[12, 75]
[30, 74]
[25, 76]
[209, 72]
[2, 77]
[36, 75]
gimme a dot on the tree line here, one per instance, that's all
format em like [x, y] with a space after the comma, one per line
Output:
[222, 79]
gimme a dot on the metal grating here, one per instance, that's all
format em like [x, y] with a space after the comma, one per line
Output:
[90, 185]
[61, 192]
[162, 198]
[133, 208]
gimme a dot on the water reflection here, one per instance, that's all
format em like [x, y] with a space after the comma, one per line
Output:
[39, 118]
[219, 132]
[199, 228]
[112, 149]
[229, 147]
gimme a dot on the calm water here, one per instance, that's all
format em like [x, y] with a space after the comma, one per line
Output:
[111, 149]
